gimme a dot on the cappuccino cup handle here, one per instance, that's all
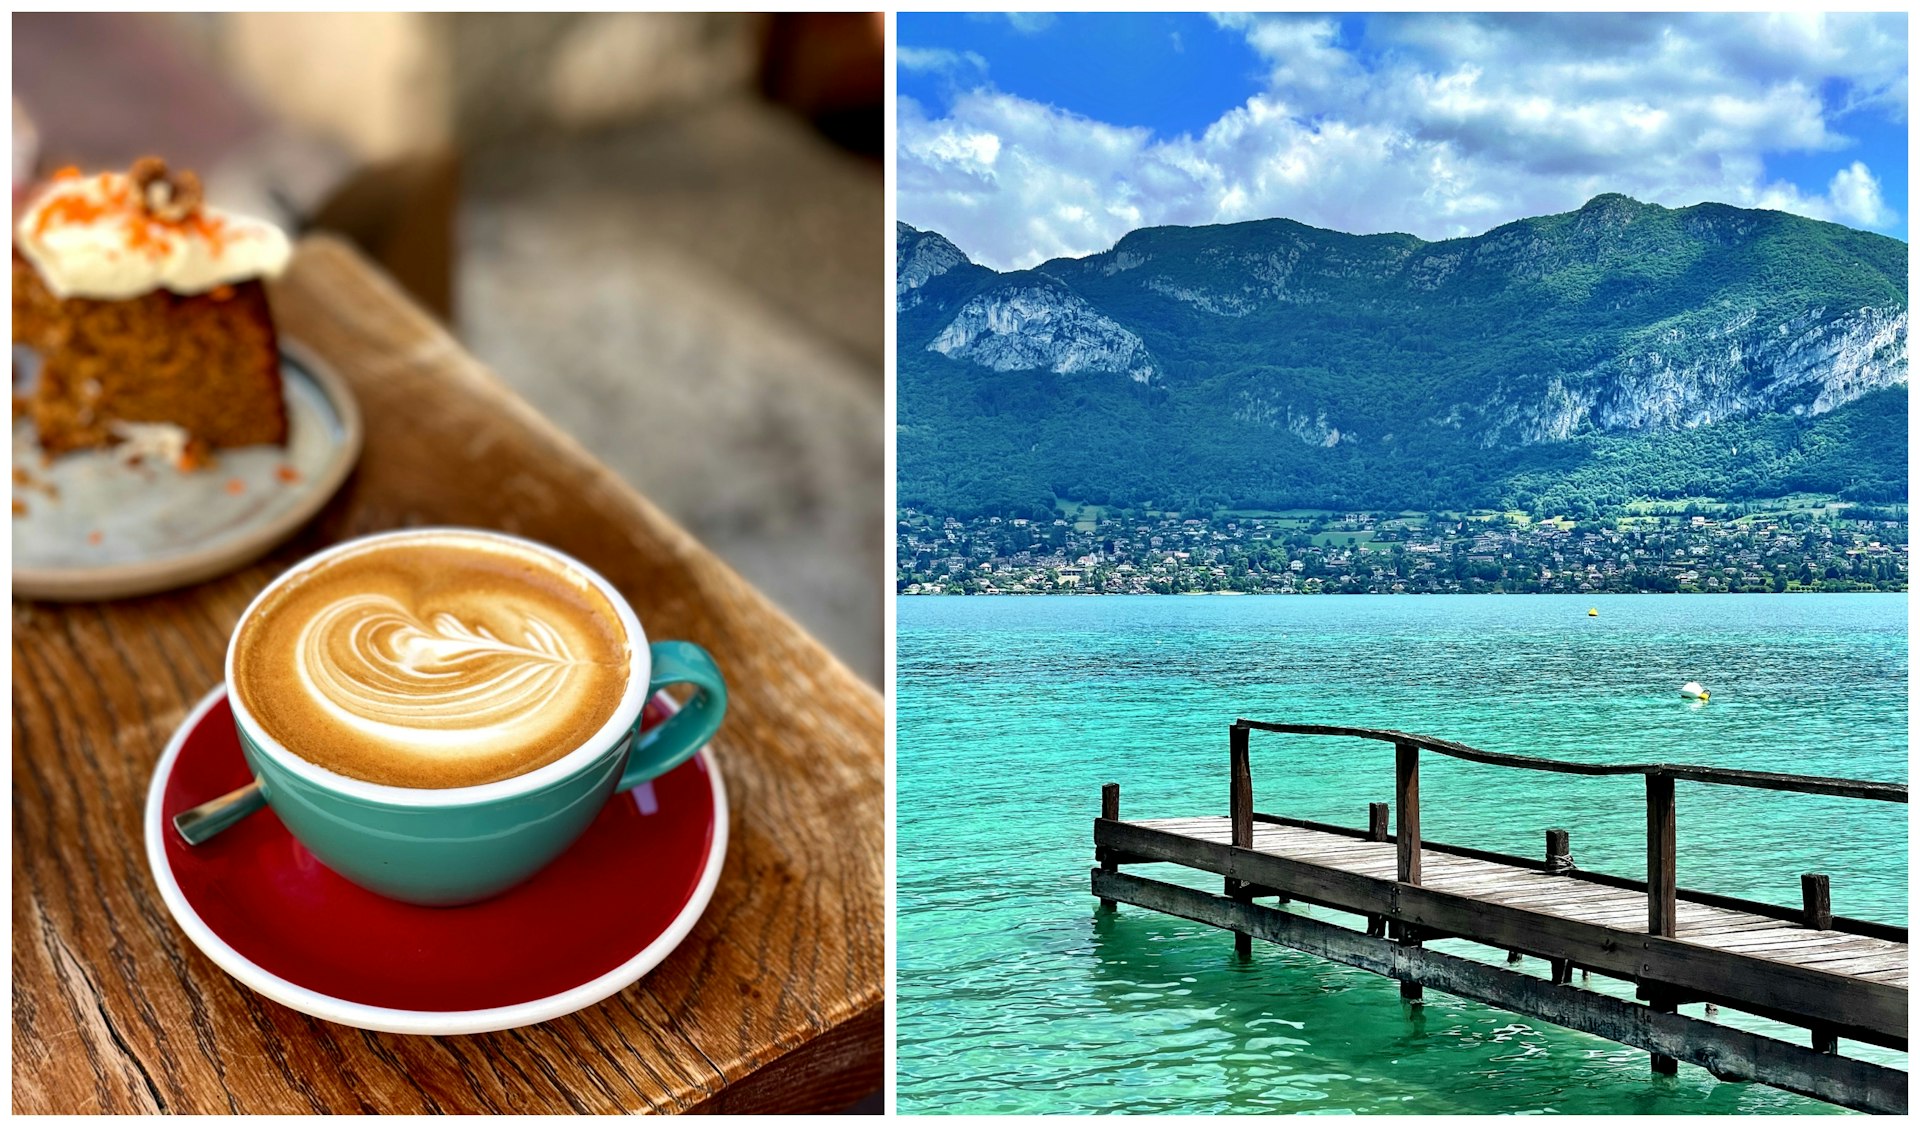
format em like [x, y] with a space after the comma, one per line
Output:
[662, 748]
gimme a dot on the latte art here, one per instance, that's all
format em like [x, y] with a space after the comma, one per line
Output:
[378, 669]
[451, 660]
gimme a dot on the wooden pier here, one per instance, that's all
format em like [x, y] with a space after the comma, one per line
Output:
[1800, 965]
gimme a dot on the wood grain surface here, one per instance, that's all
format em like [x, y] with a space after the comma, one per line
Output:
[773, 1003]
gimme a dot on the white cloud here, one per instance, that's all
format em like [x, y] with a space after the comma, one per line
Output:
[1854, 196]
[1030, 22]
[939, 60]
[1436, 125]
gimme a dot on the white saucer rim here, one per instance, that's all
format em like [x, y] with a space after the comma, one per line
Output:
[438, 1023]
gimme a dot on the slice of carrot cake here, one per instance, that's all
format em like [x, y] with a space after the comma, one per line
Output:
[147, 310]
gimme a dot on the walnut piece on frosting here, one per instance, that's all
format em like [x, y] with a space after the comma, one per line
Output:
[169, 198]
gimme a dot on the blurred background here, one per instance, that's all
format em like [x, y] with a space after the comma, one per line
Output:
[666, 231]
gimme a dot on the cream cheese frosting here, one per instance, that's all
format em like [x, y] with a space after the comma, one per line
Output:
[91, 237]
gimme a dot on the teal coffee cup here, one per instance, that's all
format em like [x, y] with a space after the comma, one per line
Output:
[446, 846]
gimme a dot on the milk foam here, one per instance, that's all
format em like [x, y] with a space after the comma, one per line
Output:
[437, 661]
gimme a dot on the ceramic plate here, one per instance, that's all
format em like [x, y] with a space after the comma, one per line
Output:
[585, 927]
[95, 527]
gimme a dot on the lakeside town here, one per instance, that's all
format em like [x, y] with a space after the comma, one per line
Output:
[1675, 548]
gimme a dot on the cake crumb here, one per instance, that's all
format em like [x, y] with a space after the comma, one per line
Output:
[25, 479]
[19, 507]
[195, 455]
[96, 536]
[287, 474]
[235, 486]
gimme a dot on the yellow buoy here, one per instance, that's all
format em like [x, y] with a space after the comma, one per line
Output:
[1593, 612]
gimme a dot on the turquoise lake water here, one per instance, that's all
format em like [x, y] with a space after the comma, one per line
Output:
[1015, 996]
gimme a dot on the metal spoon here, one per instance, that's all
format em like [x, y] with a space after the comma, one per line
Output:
[209, 818]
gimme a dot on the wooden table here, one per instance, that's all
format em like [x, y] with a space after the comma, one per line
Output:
[774, 1002]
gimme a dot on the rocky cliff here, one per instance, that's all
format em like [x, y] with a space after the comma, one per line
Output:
[922, 257]
[1041, 325]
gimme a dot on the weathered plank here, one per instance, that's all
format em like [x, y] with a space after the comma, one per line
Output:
[1856, 964]
[1731, 925]
[1793, 939]
[1732, 1054]
[1862, 1009]
[1875, 928]
[1316, 884]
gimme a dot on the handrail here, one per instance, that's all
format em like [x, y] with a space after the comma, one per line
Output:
[1725, 776]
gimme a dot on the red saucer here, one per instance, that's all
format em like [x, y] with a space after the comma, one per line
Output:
[596, 920]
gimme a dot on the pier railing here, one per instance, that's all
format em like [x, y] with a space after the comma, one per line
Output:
[1661, 886]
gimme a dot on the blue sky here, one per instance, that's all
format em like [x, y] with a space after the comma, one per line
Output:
[1029, 136]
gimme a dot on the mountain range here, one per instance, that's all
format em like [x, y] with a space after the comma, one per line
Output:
[1571, 363]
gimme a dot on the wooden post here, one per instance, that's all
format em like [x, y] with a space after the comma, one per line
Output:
[1406, 796]
[1240, 788]
[1559, 852]
[1377, 831]
[1559, 862]
[1816, 912]
[1816, 901]
[1406, 804]
[1664, 1003]
[1662, 891]
[1409, 936]
[1110, 810]
[1662, 870]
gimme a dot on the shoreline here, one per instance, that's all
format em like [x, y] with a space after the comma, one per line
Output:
[1346, 594]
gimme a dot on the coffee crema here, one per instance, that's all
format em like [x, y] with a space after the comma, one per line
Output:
[438, 660]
